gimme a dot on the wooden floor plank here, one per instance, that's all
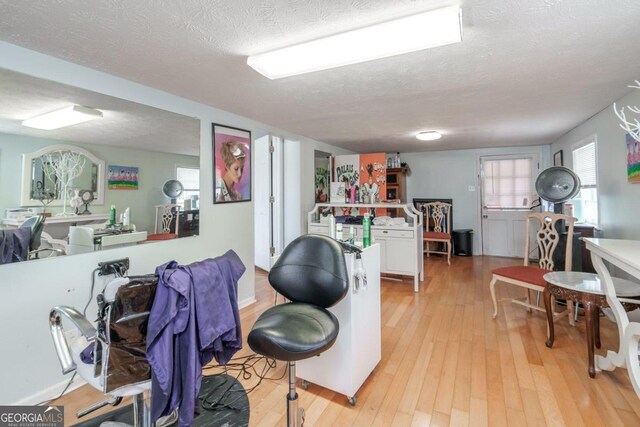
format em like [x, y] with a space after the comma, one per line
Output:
[446, 361]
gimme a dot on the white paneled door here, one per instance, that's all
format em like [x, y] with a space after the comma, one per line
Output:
[508, 191]
[268, 193]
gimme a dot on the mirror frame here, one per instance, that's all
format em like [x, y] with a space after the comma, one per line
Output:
[27, 160]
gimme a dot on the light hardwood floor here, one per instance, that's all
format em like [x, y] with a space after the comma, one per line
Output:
[445, 361]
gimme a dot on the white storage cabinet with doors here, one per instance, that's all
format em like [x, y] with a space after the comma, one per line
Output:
[401, 247]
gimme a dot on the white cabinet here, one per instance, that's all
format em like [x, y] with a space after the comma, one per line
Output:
[357, 350]
[401, 247]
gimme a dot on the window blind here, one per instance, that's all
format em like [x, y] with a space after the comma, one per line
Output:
[584, 164]
[189, 177]
[508, 183]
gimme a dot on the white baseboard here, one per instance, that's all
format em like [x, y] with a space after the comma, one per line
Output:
[52, 392]
[246, 302]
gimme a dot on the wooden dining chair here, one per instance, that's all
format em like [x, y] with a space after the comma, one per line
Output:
[166, 225]
[437, 223]
[530, 277]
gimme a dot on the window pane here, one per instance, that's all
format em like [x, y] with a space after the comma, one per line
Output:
[508, 183]
[584, 164]
[585, 204]
[189, 177]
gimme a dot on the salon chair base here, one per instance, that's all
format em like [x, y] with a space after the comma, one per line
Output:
[233, 407]
[295, 415]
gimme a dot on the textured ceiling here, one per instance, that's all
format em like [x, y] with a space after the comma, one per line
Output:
[124, 123]
[526, 72]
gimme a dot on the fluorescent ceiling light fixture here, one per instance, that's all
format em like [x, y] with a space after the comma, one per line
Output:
[67, 116]
[429, 29]
[430, 135]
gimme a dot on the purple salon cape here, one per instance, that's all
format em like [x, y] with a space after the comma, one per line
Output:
[194, 318]
[14, 245]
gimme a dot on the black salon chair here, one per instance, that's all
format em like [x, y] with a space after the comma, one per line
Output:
[117, 363]
[36, 224]
[311, 273]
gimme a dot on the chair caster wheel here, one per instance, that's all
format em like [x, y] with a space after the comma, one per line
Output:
[305, 384]
[353, 401]
[301, 416]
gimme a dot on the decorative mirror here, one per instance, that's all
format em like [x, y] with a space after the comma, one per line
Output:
[50, 175]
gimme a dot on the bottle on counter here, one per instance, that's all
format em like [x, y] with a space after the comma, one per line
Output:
[112, 215]
[352, 235]
[339, 234]
[332, 226]
[126, 220]
[366, 231]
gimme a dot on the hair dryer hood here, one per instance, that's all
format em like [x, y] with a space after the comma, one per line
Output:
[557, 184]
[172, 188]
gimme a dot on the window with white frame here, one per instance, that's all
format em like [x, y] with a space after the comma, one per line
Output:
[508, 183]
[190, 179]
[585, 204]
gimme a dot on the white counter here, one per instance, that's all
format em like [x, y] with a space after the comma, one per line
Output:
[357, 350]
[401, 247]
[58, 226]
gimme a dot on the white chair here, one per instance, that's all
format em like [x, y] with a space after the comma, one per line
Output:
[532, 277]
[167, 222]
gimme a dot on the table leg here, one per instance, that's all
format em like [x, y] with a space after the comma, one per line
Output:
[589, 308]
[596, 327]
[548, 309]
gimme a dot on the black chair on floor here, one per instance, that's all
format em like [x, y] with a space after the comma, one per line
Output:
[311, 273]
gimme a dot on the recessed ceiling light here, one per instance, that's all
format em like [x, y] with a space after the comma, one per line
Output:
[67, 116]
[429, 29]
[430, 135]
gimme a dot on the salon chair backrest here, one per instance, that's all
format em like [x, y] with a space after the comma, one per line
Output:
[36, 224]
[123, 314]
[311, 270]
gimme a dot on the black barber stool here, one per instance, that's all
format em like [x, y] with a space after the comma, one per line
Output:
[312, 274]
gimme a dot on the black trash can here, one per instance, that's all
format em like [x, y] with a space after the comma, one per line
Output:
[463, 242]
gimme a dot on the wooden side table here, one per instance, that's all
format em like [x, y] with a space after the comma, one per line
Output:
[585, 288]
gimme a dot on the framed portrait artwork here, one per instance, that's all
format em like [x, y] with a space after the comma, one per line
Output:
[557, 158]
[231, 164]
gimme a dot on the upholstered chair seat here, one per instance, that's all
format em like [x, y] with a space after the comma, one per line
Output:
[530, 277]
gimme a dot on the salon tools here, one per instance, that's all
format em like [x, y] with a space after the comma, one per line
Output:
[359, 274]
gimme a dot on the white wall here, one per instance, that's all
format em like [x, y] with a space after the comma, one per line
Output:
[28, 364]
[618, 200]
[448, 174]
[299, 178]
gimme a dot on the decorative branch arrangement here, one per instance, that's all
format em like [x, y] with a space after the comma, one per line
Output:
[632, 125]
[64, 166]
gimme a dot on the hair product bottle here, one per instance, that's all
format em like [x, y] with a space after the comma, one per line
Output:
[112, 215]
[366, 231]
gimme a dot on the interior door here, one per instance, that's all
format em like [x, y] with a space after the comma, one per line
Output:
[261, 206]
[507, 186]
[268, 200]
